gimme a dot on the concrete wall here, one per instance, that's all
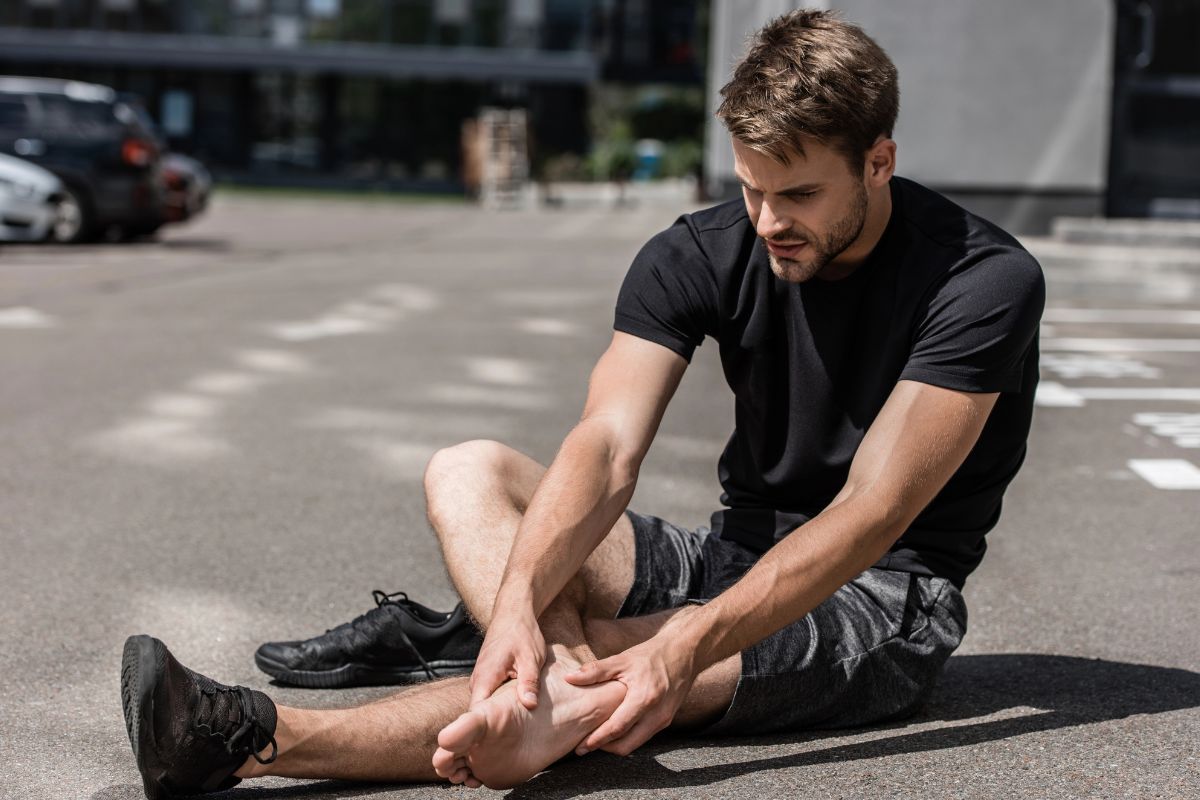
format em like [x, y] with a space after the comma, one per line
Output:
[1000, 98]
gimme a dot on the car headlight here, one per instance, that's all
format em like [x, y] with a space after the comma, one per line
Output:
[16, 188]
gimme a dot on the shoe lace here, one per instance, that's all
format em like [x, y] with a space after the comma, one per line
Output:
[400, 600]
[252, 734]
[369, 627]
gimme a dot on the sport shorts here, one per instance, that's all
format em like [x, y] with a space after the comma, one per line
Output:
[871, 652]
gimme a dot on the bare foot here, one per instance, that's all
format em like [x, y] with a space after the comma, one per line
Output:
[500, 743]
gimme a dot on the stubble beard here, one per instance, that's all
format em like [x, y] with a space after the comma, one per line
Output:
[841, 236]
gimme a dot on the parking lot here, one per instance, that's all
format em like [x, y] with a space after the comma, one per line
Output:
[218, 438]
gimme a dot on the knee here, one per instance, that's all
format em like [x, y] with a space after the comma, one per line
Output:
[454, 471]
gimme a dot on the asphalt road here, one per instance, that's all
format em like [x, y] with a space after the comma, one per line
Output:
[218, 439]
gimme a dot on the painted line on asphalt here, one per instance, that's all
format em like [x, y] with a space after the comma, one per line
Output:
[24, 317]
[1085, 345]
[1135, 316]
[1182, 429]
[1051, 394]
[1167, 473]
[1073, 366]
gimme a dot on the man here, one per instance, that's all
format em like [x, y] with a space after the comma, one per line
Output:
[881, 344]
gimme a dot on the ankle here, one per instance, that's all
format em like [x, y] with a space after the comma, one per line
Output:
[572, 654]
[286, 736]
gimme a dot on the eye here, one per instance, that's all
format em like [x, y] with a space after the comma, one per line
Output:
[748, 190]
[802, 195]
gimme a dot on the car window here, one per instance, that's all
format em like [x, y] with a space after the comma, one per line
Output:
[14, 113]
[64, 114]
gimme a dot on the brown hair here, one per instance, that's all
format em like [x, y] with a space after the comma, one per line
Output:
[811, 74]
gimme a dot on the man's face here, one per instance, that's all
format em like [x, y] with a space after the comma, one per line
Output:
[808, 212]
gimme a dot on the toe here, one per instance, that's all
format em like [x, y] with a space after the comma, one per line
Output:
[445, 762]
[460, 735]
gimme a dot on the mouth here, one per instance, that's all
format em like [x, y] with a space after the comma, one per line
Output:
[788, 250]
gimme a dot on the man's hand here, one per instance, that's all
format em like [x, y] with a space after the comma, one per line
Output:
[657, 674]
[512, 648]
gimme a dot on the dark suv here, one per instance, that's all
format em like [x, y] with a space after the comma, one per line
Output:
[108, 163]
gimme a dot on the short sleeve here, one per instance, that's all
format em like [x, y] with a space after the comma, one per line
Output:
[669, 296]
[980, 324]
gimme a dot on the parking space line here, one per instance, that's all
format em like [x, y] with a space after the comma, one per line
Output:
[25, 317]
[1051, 394]
[1088, 345]
[1152, 316]
[1167, 473]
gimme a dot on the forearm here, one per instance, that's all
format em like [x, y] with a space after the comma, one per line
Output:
[580, 498]
[791, 579]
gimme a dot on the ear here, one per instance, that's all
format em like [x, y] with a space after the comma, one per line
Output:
[881, 162]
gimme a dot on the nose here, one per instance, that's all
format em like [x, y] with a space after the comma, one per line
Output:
[771, 223]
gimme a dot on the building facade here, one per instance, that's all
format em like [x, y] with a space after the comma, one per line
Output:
[1022, 109]
[371, 92]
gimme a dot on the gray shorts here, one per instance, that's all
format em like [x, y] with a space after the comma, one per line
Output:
[871, 652]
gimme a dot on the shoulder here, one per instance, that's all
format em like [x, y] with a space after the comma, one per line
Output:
[708, 232]
[945, 242]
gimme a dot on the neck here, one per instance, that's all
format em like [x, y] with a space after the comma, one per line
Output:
[879, 212]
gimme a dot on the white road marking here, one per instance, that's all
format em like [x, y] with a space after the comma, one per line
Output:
[378, 311]
[188, 406]
[26, 318]
[274, 361]
[1149, 316]
[226, 382]
[490, 397]
[1079, 365]
[401, 460]
[326, 326]
[1181, 428]
[407, 297]
[1123, 345]
[157, 441]
[502, 371]
[1055, 395]
[548, 326]
[1167, 473]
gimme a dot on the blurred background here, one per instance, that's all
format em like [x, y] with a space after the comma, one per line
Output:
[1020, 110]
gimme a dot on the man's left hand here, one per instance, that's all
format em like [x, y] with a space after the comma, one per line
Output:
[657, 674]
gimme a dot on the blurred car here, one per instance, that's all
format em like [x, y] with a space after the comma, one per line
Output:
[29, 200]
[186, 182]
[187, 186]
[109, 164]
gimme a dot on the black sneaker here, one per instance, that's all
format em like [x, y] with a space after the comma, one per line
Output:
[189, 733]
[397, 642]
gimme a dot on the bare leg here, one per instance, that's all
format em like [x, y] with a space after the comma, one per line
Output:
[477, 493]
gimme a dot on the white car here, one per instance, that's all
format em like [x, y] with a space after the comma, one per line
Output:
[29, 201]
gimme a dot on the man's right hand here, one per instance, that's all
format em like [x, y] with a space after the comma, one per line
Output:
[513, 648]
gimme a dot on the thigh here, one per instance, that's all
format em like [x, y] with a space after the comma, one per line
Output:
[871, 652]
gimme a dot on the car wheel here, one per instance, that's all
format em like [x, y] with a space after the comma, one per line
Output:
[73, 218]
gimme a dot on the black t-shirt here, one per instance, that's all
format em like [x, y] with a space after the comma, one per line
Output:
[945, 298]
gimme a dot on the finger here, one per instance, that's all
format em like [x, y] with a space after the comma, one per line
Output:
[484, 685]
[616, 726]
[527, 682]
[596, 672]
[460, 775]
[473, 782]
[642, 732]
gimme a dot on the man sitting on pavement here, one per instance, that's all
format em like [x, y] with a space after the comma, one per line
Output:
[881, 345]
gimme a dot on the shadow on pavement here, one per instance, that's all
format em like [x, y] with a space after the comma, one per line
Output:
[1064, 692]
[315, 790]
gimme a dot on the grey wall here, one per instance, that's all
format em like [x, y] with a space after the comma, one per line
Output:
[995, 95]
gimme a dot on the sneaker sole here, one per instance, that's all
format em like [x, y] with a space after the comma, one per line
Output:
[355, 674]
[138, 678]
